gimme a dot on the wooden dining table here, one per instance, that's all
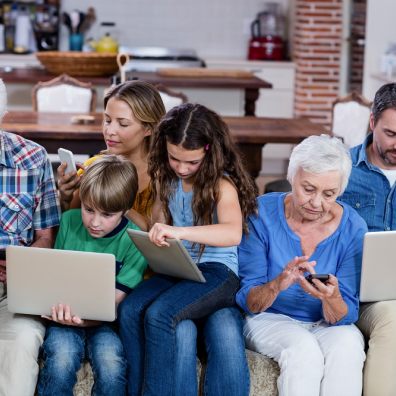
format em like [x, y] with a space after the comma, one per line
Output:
[54, 130]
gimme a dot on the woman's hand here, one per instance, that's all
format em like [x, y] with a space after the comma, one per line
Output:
[67, 184]
[294, 272]
[321, 290]
[62, 314]
[159, 232]
[334, 306]
[261, 297]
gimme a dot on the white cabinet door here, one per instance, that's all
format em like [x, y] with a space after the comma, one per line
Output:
[275, 102]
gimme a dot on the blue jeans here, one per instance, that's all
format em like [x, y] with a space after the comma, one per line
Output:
[226, 365]
[65, 349]
[148, 318]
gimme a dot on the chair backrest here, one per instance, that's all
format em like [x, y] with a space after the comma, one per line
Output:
[171, 98]
[351, 118]
[64, 94]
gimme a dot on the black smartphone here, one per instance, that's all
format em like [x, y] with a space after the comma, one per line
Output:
[2, 254]
[322, 277]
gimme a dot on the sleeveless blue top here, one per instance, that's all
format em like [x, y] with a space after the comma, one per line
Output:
[180, 206]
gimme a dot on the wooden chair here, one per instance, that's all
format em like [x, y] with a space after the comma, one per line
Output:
[350, 118]
[171, 98]
[64, 94]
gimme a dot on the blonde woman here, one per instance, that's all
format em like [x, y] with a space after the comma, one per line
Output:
[132, 111]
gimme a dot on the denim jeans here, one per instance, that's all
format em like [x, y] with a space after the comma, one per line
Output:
[148, 318]
[226, 364]
[65, 349]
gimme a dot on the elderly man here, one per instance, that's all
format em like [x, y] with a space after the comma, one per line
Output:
[29, 213]
[371, 191]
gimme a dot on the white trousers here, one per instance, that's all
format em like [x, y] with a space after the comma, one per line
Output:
[20, 340]
[314, 358]
[377, 322]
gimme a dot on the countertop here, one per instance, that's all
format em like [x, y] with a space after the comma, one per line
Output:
[35, 74]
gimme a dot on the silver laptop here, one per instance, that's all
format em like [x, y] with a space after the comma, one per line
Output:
[173, 260]
[39, 278]
[378, 281]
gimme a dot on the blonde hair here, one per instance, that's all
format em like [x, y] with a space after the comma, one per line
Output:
[145, 103]
[109, 184]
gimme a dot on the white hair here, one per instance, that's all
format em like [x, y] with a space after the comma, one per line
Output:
[320, 154]
[3, 99]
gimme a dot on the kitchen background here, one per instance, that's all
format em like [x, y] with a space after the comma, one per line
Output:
[338, 46]
[214, 28]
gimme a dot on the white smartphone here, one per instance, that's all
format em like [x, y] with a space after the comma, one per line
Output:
[68, 157]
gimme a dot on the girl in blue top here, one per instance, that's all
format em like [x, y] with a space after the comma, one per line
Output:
[203, 197]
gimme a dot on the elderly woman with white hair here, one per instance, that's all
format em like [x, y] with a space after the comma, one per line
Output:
[306, 326]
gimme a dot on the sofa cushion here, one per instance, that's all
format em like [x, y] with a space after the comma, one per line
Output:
[263, 375]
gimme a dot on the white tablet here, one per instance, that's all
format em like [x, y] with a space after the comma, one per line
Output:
[39, 278]
[173, 260]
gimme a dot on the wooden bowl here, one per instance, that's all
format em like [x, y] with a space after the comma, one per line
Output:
[76, 63]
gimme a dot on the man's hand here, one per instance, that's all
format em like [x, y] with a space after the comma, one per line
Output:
[3, 271]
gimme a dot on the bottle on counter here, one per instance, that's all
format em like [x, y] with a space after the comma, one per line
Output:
[9, 13]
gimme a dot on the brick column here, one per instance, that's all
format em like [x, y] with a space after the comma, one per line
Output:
[316, 52]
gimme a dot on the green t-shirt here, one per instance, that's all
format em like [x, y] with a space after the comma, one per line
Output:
[131, 264]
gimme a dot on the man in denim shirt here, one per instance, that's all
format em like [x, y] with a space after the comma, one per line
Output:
[371, 191]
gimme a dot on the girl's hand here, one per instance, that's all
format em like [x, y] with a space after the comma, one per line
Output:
[159, 232]
[321, 290]
[294, 271]
[62, 314]
[67, 184]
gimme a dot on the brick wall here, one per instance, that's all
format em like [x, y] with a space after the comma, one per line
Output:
[316, 51]
[358, 33]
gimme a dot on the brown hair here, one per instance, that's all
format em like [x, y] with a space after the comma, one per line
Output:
[110, 184]
[194, 126]
[143, 99]
[384, 99]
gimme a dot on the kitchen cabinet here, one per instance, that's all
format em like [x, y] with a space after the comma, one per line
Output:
[275, 102]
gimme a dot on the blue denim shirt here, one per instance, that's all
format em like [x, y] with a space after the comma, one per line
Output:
[369, 191]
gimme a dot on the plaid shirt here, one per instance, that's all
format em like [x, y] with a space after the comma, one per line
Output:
[28, 196]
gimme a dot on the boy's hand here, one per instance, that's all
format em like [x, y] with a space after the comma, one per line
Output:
[3, 271]
[62, 314]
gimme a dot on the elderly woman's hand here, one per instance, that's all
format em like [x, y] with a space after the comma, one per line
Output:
[334, 306]
[294, 271]
[261, 297]
[67, 184]
[321, 290]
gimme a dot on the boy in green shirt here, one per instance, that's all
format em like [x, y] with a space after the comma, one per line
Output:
[107, 191]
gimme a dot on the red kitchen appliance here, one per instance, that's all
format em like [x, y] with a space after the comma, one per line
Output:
[267, 30]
